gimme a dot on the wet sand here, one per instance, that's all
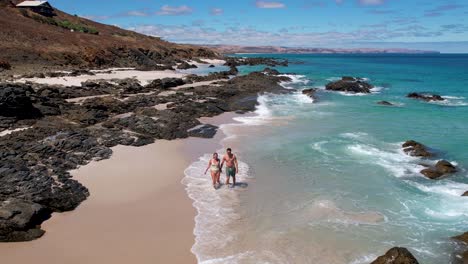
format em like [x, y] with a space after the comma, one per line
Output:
[138, 211]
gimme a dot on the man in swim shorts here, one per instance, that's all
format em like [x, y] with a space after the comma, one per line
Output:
[231, 166]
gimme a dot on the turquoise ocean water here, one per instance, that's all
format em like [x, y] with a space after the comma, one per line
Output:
[327, 182]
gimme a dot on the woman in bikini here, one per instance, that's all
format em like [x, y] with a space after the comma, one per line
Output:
[215, 169]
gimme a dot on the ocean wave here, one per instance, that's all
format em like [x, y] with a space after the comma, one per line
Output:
[451, 101]
[217, 209]
[296, 79]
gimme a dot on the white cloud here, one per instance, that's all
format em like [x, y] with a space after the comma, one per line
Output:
[371, 2]
[167, 10]
[216, 11]
[251, 36]
[267, 4]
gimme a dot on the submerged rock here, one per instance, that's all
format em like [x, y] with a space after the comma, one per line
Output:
[396, 255]
[426, 97]
[385, 103]
[416, 149]
[350, 84]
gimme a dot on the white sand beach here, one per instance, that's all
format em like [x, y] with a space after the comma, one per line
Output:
[138, 210]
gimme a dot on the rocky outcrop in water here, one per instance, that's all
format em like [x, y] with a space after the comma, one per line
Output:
[386, 103]
[71, 126]
[465, 194]
[425, 97]
[311, 93]
[396, 255]
[350, 85]
[442, 168]
[416, 149]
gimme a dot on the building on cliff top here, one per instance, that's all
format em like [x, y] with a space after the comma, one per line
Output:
[40, 7]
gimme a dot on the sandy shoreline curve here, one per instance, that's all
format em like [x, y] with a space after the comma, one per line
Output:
[138, 210]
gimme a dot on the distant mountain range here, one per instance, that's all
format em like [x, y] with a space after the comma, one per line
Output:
[232, 49]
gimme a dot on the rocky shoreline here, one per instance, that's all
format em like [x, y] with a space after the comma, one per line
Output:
[48, 130]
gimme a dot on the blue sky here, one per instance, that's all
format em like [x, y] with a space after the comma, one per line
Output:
[417, 24]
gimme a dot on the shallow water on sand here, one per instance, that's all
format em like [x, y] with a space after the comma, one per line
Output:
[327, 182]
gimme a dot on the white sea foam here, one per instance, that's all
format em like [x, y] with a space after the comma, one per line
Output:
[263, 113]
[217, 209]
[451, 101]
[394, 160]
[295, 80]
[366, 259]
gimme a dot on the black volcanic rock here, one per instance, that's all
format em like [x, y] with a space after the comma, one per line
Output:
[425, 97]
[203, 131]
[396, 255]
[16, 102]
[20, 220]
[67, 134]
[350, 84]
[185, 66]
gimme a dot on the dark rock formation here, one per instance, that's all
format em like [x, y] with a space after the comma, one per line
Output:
[185, 66]
[442, 168]
[350, 85]
[311, 93]
[271, 71]
[386, 103]
[432, 173]
[426, 97]
[416, 149]
[20, 220]
[465, 194]
[463, 239]
[4, 65]
[211, 66]
[203, 131]
[396, 255]
[445, 167]
[15, 101]
[271, 62]
[65, 135]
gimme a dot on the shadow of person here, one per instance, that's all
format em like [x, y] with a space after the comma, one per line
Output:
[242, 184]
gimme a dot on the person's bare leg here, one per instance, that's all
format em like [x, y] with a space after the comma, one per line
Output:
[218, 176]
[213, 179]
[233, 181]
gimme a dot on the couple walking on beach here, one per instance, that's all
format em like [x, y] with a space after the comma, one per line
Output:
[216, 166]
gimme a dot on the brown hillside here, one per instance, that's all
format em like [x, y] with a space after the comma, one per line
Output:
[27, 38]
